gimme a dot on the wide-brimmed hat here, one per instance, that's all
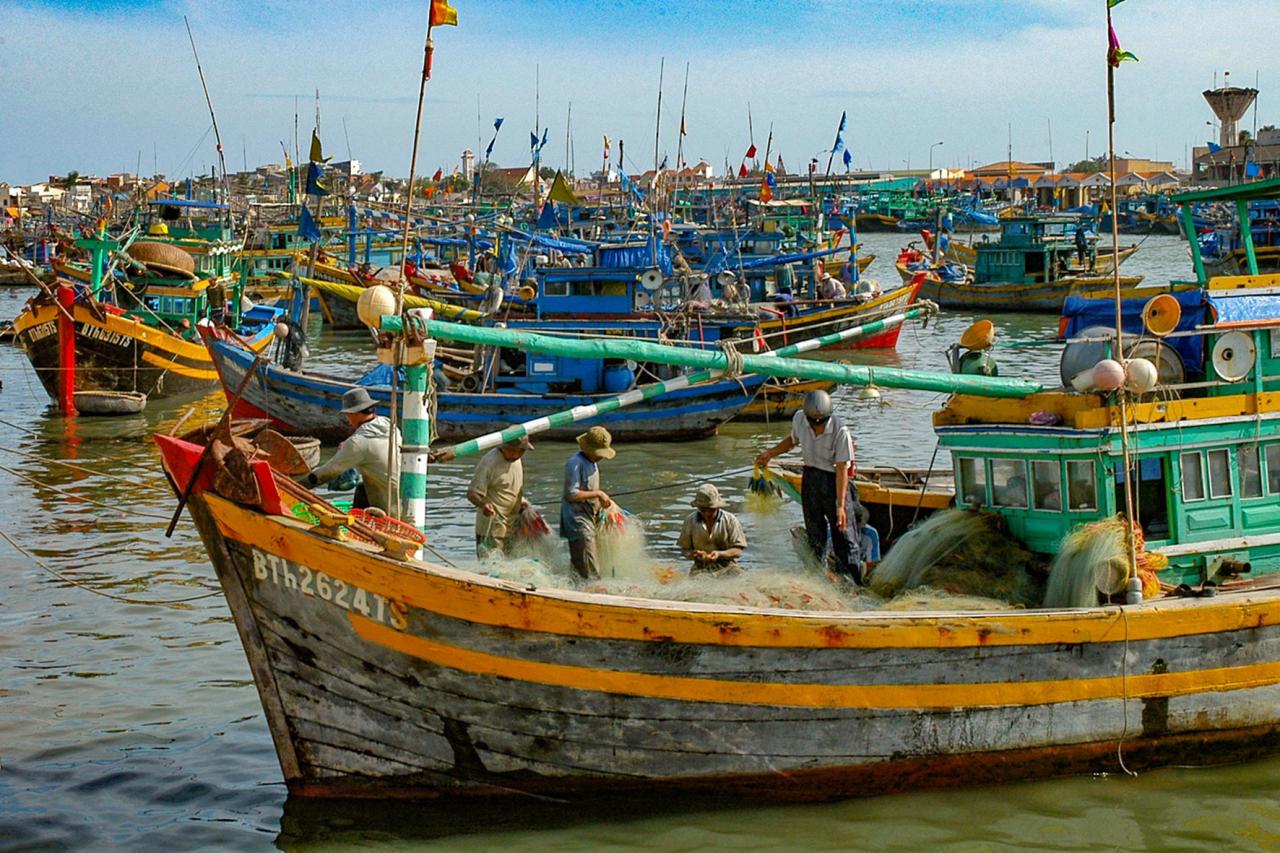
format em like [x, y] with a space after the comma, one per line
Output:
[597, 441]
[981, 335]
[708, 497]
[357, 400]
[521, 443]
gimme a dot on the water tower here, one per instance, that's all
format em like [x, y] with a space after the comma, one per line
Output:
[1229, 104]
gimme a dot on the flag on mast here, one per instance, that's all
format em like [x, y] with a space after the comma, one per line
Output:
[442, 14]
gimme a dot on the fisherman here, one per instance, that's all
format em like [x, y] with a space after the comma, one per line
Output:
[1082, 242]
[830, 287]
[365, 450]
[828, 499]
[583, 498]
[497, 493]
[712, 537]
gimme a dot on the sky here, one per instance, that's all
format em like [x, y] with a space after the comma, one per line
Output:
[101, 87]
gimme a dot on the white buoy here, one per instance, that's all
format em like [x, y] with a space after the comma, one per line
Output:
[282, 330]
[376, 301]
[1140, 376]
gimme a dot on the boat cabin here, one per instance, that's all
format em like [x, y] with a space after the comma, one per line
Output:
[1031, 250]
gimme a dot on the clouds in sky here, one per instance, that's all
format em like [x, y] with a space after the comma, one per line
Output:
[89, 85]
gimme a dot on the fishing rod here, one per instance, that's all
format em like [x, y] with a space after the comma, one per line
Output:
[217, 136]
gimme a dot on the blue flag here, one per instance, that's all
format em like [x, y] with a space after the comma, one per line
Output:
[315, 180]
[848, 159]
[1252, 169]
[771, 180]
[307, 228]
[547, 219]
[839, 144]
[543, 143]
[533, 140]
[497, 125]
[1214, 148]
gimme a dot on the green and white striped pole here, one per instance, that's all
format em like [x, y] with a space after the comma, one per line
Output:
[770, 365]
[657, 389]
[415, 430]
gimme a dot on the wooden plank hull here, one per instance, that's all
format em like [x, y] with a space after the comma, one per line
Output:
[114, 353]
[1039, 297]
[310, 404]
[387, 679]
[825, 317]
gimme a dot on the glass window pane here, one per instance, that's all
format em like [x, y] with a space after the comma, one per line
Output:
[1219, 474]
[1250, 472]
[1046, 485]
[1192, 477]
[1081, 488]
[1273, 469]
[973, 481]
[1009, 482]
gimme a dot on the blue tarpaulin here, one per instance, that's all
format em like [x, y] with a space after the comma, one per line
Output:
[1081, 313]
[636, 257]
[572, 247]
[718, 262]
[1243, 308]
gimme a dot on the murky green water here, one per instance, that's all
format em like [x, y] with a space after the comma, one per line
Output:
[133, 725]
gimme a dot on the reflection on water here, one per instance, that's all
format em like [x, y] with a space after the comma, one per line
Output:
[129, 725]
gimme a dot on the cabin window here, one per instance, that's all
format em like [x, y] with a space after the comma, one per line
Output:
[1009, 482]
[1192, 477]
[1250, 472]
[555, 288]
[973, 480]
[1046, 485]
[1082, 488]
[1219, 474]
[1273, 469]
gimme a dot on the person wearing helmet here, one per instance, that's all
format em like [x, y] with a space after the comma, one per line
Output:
[829, 502]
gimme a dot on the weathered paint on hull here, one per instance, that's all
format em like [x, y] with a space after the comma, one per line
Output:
[455, 684]
[826, 318]
[310, 404]
[118, 354]
[1044, 298]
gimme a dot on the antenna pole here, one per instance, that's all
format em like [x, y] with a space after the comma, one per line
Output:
[1131, 545]
[657, 125]
[217, 136]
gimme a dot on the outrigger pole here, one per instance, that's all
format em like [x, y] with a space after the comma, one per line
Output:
[657, 389]
[769, 365]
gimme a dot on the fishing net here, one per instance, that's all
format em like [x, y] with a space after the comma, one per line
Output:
[1093, 560]
[958, 552]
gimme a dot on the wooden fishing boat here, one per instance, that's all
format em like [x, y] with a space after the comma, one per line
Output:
[138, 333]
[895, 498]
[310, 403]
[813, 318]
[778, 400]
[386, 676]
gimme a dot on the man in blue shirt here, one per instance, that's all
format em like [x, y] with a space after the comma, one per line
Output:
[583, 498]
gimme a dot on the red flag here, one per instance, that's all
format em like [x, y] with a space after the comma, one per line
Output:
[751, 152]
[742, 170]
[438, 175]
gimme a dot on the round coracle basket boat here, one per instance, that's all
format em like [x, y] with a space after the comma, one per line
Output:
[110, 402]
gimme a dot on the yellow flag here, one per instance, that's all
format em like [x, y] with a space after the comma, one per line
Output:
[560, 191]
[317, 155]
[442, 14]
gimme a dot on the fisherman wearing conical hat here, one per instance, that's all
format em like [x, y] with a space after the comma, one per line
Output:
[712, 536]
[582, 499]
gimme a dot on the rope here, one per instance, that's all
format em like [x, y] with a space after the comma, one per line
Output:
[733, 359]
[124, 599]
[82, 498]
[692, 482]
[1124, 693]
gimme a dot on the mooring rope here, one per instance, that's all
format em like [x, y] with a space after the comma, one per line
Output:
[124, 599]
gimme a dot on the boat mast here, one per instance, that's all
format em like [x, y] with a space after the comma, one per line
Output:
[684, 100]
[217, 136]
[1131, 545]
